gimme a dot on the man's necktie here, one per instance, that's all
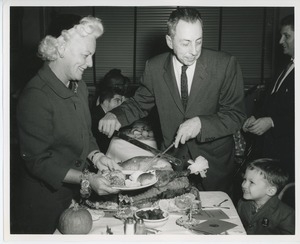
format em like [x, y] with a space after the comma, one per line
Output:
[283, 73]
[184, 86]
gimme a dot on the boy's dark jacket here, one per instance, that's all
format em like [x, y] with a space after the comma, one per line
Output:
[274, 218]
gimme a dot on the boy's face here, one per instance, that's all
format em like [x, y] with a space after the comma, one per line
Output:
[254, 186]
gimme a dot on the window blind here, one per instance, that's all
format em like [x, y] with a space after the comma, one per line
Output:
[134, 34]
[242, 36]
[151, 29]
[115, 49]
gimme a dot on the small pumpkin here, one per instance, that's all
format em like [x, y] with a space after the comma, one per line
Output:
[75, 220]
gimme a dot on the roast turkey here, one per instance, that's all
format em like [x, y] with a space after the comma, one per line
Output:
[169, 183]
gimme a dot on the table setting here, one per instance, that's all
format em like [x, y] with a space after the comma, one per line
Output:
[112, 219]
[154, 199]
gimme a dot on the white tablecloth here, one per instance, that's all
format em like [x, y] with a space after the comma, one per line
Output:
[171, 228]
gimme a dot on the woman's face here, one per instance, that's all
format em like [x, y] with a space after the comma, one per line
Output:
[187, 41]
[78, 57]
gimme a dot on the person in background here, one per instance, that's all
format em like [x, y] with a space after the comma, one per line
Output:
[113, 79]
[109, 94]
[260, 210]
[274, 123]
[54, 124]
[199, 97]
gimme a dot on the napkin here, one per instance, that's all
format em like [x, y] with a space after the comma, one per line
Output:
[200, 165]
[213, 226]
[210, 214]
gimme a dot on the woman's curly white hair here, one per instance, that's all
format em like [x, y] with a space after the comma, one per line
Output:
[89, 25]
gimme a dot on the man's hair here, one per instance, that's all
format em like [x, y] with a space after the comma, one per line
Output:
[271, 171]
[288, 20]
[108, 94]
[190, 15]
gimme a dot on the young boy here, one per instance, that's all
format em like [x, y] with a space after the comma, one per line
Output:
[260, 209]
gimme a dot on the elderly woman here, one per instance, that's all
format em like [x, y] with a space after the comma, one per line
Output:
[55, 130]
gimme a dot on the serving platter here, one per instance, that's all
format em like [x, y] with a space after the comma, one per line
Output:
[128, 173]
[126, 188]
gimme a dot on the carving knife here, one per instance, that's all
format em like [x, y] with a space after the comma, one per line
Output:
[148, 148]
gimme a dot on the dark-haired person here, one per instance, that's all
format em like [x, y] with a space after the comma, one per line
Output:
[55, 131]
[199, 97]
[274, 123]
[113, 79]
[109, 98]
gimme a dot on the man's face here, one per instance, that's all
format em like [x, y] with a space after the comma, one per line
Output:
[114, 102]
[287, 40]
[187, 41]
[78, 57]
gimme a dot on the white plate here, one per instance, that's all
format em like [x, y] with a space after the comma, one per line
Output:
[126, 188]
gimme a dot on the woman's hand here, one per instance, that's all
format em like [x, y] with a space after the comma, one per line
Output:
[100, 185]
[106, 163]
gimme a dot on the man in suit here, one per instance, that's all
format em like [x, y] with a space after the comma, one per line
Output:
[274, 123]
[201, 116]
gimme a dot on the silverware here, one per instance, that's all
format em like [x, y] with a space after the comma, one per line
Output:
[162, 153]
[218, 205]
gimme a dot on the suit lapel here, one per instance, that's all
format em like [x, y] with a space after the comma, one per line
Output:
[198, 82]
[170, 80]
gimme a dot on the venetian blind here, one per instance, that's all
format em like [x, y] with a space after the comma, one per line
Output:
[243, 36]
[151, 29]
[134, 34]
[115, 49]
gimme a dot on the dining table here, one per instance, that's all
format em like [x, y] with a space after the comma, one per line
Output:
[208, 200]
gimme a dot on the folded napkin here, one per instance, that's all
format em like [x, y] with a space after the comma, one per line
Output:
[213, 227]
[200, 165]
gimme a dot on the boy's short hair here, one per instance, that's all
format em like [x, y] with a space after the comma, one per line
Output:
[272, 172]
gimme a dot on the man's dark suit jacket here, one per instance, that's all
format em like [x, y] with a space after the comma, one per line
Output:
[216, 96]
[279, 141]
